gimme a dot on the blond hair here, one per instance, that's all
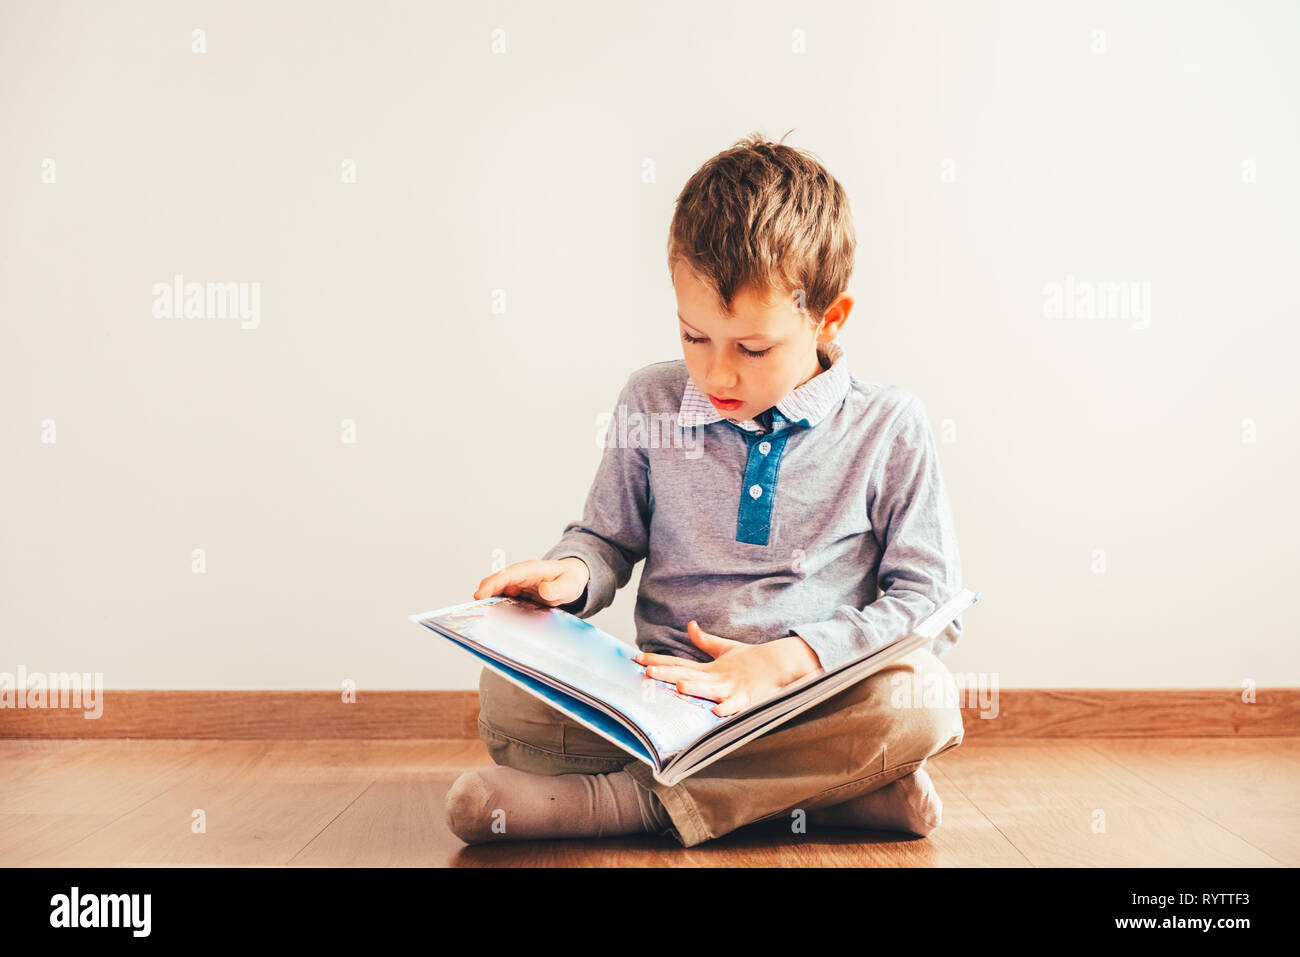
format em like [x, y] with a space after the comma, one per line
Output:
[765, 218]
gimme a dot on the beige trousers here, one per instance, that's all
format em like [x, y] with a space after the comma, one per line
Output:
[861, 739]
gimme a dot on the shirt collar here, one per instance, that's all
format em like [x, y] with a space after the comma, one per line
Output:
[806, 405]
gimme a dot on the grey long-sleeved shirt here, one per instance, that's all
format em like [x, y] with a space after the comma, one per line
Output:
[828, 518]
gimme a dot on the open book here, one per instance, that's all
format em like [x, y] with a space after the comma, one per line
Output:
[589, 675]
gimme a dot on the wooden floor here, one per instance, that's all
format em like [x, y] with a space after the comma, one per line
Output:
[1162, 802]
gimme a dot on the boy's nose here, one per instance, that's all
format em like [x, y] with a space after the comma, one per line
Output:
[721, 382]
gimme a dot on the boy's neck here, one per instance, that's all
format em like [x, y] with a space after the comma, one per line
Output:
[823, 364]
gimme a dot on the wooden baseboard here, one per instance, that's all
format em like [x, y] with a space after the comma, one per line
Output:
[255, 714]
[1018, 713]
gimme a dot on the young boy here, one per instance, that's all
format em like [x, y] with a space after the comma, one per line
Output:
[767, 540]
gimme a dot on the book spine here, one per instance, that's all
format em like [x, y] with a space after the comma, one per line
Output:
[945, 613]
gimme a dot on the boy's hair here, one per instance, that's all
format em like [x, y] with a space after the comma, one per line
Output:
[766, 218]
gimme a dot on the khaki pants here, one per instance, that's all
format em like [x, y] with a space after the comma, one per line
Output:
[859, 740]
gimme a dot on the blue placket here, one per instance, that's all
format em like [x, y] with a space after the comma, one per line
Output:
[758, 487]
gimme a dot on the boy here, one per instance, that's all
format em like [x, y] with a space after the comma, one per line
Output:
[763, 554]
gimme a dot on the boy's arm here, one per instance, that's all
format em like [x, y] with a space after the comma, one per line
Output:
[613, 533]
[920, 567]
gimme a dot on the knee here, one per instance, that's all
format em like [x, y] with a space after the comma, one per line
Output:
[509, 712]
[926, 709]
[494, 695]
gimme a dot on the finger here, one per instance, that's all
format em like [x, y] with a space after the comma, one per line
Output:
[729, 705]
[712, 645]
[707, 635]
[702, 689]
[669, 673]
[649, 658]
[520, 573]
[546, 590]
[489, 586]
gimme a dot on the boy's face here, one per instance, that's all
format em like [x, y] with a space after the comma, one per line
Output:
[721, 365]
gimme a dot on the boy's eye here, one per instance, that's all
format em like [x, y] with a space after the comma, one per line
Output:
[687, 337]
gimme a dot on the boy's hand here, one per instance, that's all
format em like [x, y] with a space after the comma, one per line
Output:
[547, 581]
[740, 674]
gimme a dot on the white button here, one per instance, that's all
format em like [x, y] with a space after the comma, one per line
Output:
[756, 490]
[765, 447]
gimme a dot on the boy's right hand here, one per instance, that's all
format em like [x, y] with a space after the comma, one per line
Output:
[547, 581]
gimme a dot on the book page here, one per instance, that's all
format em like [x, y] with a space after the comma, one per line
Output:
[591, 660]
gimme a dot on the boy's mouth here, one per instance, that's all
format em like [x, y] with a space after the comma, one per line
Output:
[727, 404]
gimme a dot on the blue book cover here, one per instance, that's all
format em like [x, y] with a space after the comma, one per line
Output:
[580, 670]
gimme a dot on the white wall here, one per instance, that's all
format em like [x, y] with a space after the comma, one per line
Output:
[523, 171]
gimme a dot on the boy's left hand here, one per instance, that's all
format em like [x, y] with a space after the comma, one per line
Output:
[740, 674]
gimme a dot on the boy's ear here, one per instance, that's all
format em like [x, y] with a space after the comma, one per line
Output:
[834, 318]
